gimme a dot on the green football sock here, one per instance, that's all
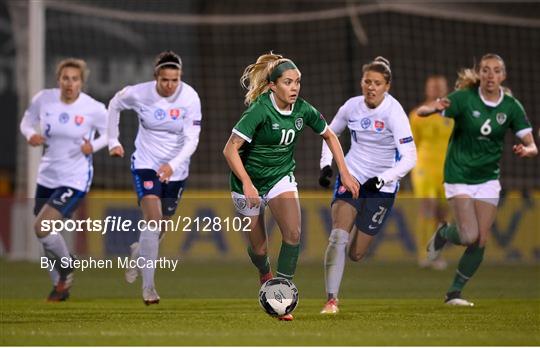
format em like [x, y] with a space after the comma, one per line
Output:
[262, 262]
[468, 264]
[450, 233]
[288, 257]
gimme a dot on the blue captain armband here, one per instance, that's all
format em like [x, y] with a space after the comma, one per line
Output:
[405, 140]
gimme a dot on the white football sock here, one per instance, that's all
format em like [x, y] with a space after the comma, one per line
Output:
[55, 244]
[149, 248]
[137, 247]
[334, 260]
[53, 273]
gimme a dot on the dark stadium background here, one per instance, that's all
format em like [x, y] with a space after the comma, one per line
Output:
[211, 299]
[329, 52]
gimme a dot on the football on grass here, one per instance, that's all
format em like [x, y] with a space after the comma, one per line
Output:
[278, 296]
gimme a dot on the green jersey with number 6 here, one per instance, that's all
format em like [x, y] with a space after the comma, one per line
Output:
[271, 136]
[477, 141]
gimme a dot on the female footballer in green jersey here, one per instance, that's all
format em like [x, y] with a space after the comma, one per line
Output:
[260, 153]
[482, 113]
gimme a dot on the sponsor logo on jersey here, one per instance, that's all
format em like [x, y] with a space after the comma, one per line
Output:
[47, 114]
[160, 114]
[148, 185]
[63, 118]
[501, 117]
[275, 126]
[299, 123]
[379, 125]
[196, 122]
[476, 113]
[405, 140]
[79, 120]
[365, 123]
[341, 189]
[174, 113]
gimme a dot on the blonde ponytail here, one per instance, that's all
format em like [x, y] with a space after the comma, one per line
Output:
[467, 78]
[256, 76]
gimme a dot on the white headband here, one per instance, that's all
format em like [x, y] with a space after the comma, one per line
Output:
[178, 65]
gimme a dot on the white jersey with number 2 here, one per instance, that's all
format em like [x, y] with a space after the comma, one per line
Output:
[65, 126]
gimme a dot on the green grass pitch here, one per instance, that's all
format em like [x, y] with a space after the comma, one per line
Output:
[211, 304]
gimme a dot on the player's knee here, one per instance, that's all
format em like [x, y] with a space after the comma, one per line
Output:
[39, 230]
[482, 240]
[293, 239]
[292, 236]
[355, 255]
[260, 249]
[469, 239]
[155, 217]
[468, 235]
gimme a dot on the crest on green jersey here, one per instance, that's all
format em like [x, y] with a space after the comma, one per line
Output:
[299, 123]
[476, 113]
[501, 117]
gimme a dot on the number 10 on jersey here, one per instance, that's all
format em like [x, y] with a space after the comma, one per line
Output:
[287, 136]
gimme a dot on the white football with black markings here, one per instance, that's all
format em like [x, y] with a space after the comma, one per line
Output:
[278, 296]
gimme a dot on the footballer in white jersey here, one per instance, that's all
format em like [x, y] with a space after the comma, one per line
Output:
[381, 141]
[169, 112]
[65, 128]
[68, 120]
[169, 127]
[382, 152]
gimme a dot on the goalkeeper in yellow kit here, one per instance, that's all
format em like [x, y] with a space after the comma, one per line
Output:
[431, 137]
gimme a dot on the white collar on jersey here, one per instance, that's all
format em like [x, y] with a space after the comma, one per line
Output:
[490, 103]
[283, 112]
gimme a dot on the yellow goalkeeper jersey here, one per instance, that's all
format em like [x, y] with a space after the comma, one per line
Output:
[431, 136]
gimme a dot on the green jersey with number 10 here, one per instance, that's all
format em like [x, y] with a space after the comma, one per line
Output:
[271, 136]
[477, 141]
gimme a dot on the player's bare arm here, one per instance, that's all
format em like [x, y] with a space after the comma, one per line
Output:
[232, 156]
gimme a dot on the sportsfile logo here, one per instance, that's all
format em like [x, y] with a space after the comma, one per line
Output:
[118, 223]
